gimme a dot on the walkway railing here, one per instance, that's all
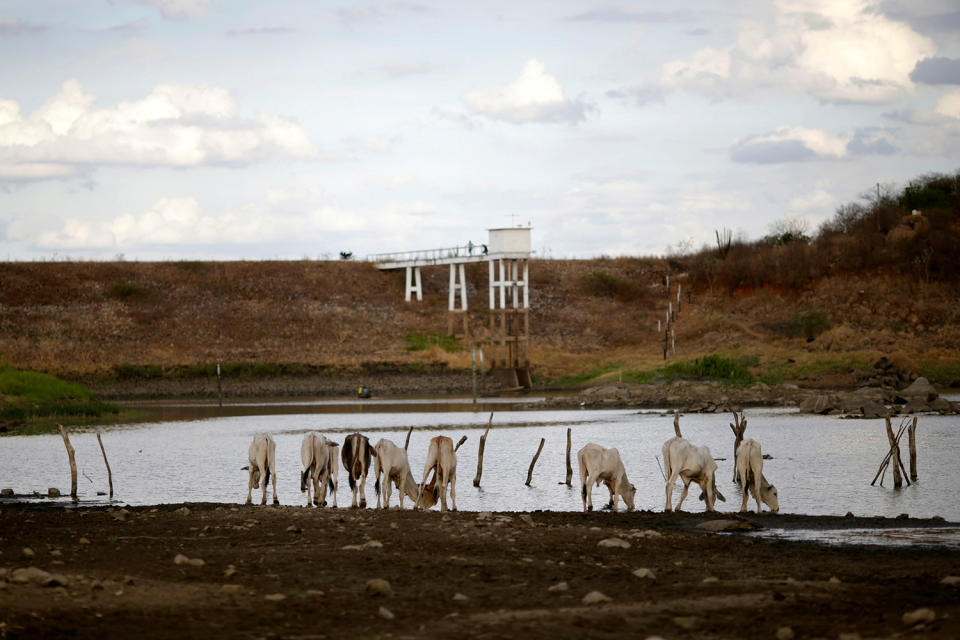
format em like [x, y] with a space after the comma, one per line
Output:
[468, 250]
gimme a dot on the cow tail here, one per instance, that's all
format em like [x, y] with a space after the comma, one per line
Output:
[303, 480]
[376, 485]
[266, 476]
[330, 481]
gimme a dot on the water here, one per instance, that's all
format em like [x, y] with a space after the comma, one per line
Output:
[821, 465]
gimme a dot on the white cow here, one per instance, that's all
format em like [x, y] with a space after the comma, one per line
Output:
[315, 456]
[263, 461]
[604, 465]
[750, 476]
[442, 459]
[391, 461]
[356, 460]
[690, 463]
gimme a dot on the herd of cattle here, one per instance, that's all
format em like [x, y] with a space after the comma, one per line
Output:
[322, 457]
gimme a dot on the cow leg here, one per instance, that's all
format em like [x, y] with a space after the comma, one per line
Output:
[670, 481]
[335, 487]
[683, 494]
[614, 489]
[583, 486]
[746, 496]
[442, 483]
[756, 491]
[250, 486]
[363, 488]
[589, 493]
[320, 488]
[453, 488]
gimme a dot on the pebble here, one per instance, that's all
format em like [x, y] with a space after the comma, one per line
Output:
[710, 580]
[849, 635]
[614, 543]
[6, 492]
[314, 593]
[834, 580]
[53, 492]
[83, 541]
[193, 562]
[951, 581]
[232, 589]
[643, 572]
[459, 597]
[56, 553]
[294, 529]
[919, 615]
[379, 587]
[645, 533]
[275, 597]
[230, 571]
[38, 576]
[27, 552]
[785, 633]
[525, 517]
[385, 613]
[559, 587]
[595, 597]
[184, 510]
[370, 544]
[687, 622]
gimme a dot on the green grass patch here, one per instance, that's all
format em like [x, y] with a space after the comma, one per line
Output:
[126, 290]
[711, 367]
[942, 373]
[29, 396]
[809, 324]
[783, 370]
[417, 341]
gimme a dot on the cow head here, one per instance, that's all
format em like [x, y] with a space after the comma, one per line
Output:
[768, 493]
[431, 493]
[628, 493]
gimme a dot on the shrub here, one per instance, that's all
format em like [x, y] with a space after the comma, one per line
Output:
[125, 290]
[808, 325]
[421, 342]
[608, 285]
[713, 367]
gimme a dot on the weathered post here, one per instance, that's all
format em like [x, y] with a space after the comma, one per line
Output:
[738, 427]
[483, 443]
[912, 435]
[219, 386]
[407, 442]
[473, 371]
[73, 462]
[895, 452]
[462, 440]
[534, 461]
[676, 423]
[569, 467]
[109, 473]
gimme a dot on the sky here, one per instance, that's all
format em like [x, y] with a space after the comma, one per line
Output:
[244, 129]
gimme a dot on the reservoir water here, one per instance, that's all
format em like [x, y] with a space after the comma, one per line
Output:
[821, 465]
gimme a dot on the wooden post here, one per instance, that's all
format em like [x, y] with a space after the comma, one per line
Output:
[895, 452]
[569, 468]
[407, 443]
[676, 423]
[534, 461]
[109, 474]
[219, 386]
[738, 427]
[912, 432]
[462, 440]
[483, 443]
[886, 459]
[73, 462]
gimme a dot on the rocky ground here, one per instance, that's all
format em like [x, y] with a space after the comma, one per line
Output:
[217, 571]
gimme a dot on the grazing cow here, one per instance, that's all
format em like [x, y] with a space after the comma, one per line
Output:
[356, 460]
[263, 460]
[391, 461]
[442, 460]
[604, 465]
[690, 463]
[334, 465]
[750, 475]
[316, 461]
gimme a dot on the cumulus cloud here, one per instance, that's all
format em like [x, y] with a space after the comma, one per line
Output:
[837, 51]
[175, 125]
[948, 105]
[180, 9]
[937, 71]
[618, 15]
[789, 144]
[16, 27]
[535, 96]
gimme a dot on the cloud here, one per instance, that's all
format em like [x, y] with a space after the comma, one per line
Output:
[925, 15]
[260, 31]
[948, 105]
[871, 142]
[789, 144]
[180, 9]
[626, 15]
[937, 71]
[175, 125]
[535, 96]
[843, 51]
[639, 96]
[10, 27]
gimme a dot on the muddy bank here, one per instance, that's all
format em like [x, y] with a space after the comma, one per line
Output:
[292, 572]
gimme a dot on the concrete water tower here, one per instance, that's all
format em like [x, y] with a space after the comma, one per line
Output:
[509, 268]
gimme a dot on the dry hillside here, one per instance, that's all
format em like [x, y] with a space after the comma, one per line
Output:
[82, 318]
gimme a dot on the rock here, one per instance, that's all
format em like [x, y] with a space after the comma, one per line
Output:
[379, 587]
[6, 492]
[83, 541]
[726, 525]
[834, 580]
[819, 404]
[27, 552]
[645, 533]
[385, 613]
[560, 587]
[56, 553]
[920, 389]
[459, 597]
[184, 510]
[294, 529]
[35, 575]
[687, 622]
[526, 518]
[230, 571]
[314, 593]
[53, 492]
[275, 597]
[370, 544]
[849, 635]
[784, 633]
[710, 580]
[951, 581]
[643, 572]
[917, 616]
[182, 559]
[232, 589]
[873, 410]
[595, 597]
[614, 543]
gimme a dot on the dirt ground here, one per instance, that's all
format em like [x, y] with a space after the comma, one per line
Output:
[293, 572]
